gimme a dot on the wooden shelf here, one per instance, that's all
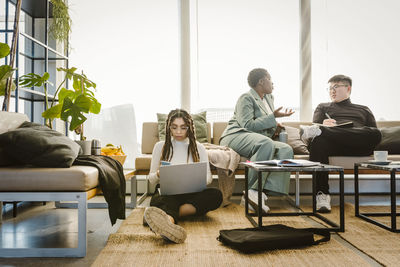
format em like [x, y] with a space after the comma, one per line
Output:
[29, 94]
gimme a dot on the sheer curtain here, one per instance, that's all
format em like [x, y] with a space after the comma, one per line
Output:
[115, 125]
[237, 36]
[131, 50]
[360, 39]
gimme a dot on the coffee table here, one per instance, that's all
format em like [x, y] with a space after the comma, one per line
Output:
[313, 169]
[392, 169]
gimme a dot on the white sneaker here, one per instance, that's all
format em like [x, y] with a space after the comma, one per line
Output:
[160, 223]
[253, 200]
[323, 202]
[309, 132]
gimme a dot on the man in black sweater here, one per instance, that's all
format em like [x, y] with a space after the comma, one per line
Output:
[358, 138]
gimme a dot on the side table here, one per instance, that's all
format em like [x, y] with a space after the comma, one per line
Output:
[313, 169]
[392, 169]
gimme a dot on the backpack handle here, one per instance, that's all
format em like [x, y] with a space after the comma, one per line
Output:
[318, 231]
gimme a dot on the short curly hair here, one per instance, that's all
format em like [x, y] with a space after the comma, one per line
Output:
[255, 76]
[340, 78]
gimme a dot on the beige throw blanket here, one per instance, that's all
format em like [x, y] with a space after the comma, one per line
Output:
[226, 161]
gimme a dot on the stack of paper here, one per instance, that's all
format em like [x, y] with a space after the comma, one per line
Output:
[288, 162]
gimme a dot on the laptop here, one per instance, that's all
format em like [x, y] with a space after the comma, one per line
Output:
[183, 178]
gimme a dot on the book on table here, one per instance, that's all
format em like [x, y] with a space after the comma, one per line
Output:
[288, 162]
[342, 124]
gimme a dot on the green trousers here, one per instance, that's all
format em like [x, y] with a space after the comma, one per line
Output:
[257, 147]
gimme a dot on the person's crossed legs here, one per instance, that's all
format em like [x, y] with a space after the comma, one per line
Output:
[336, 141]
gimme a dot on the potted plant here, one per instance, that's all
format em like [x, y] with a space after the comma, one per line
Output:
[69, 105]
[60, 27]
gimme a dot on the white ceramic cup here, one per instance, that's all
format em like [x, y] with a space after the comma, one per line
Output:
[86, 146]
[380, 155]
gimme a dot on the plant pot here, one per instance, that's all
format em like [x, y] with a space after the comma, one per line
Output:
[86, 147]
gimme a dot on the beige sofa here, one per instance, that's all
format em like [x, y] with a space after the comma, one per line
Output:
[150, 137]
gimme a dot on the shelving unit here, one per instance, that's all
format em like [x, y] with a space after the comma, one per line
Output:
[37, 53]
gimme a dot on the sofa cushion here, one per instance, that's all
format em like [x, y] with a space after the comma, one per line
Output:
[200, 125]
[298, 146]
[23, 179]
[11, 120]
[390, 140]
[143, 162]
[38, 145]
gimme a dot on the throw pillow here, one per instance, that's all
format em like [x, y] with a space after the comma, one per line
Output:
[390, 140]
[294, 140]
[11, 120]
[38, 145]
[5, 160]
[200, 126]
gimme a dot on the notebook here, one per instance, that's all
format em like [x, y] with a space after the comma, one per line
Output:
[183, 178]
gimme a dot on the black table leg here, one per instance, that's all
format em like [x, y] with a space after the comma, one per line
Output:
[246, 193]
[260, 211]
[393, 198]
[356, 192]
[314, 196]
[341, 189]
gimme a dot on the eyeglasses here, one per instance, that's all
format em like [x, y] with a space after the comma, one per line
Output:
[336, 86]
[182, 128]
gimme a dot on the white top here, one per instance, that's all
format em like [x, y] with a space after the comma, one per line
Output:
[179, 157]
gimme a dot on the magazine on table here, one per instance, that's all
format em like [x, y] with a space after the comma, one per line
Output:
[288, 163]
[343, 124]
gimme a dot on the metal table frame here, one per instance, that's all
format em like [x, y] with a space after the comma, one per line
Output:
[313, 170]
[365, 215]
[129, 175]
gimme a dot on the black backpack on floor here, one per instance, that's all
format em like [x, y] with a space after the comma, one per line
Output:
[270, 237]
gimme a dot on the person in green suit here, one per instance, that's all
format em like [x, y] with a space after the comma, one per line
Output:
[251, 130]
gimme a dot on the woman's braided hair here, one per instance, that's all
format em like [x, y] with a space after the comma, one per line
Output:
[167, 150]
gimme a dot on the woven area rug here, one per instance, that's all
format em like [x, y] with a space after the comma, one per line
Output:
[378, 243]
[136, 245]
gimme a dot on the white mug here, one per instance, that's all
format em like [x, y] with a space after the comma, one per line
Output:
[380, 155]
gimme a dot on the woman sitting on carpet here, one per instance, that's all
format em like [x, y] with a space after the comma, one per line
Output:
[180, 146]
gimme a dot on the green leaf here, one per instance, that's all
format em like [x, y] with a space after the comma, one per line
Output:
[83, 102]
[68, 72]
[3, 86]
[75, 110]
[5, 73]
[95, 107]
[46, 76]
[32, 79]
[53, 112]
[4, 50]
[76, 84]
[65, 93]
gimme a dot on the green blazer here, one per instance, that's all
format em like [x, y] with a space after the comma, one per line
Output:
[252, 116]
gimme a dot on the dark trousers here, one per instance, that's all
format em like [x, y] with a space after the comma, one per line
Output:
[336, 141]
[207, 200]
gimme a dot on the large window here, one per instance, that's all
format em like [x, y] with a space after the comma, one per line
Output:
[237, 36]
[360, 39]
[131, 50]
